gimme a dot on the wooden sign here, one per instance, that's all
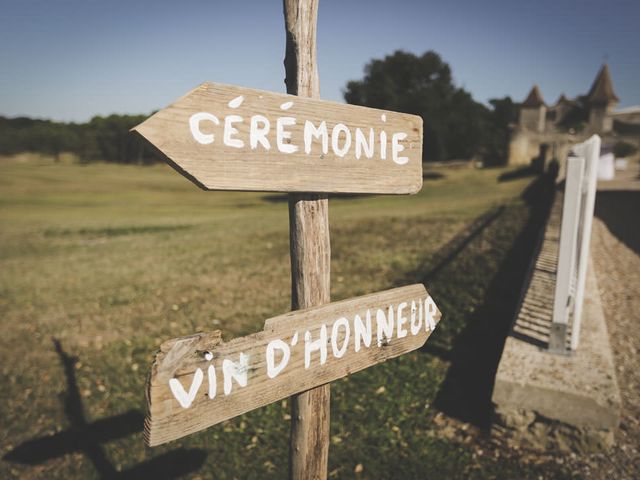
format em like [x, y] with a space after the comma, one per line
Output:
[199, 380]
[230, 138]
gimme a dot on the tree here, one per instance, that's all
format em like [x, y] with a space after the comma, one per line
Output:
[455, 126]
[503, 116]
[102, 139]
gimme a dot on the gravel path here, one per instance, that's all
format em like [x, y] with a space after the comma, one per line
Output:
[618, 271]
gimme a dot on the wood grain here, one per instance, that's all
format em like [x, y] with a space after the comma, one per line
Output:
[180, 358]
[310, 250]
[217, 166]
[310, 286]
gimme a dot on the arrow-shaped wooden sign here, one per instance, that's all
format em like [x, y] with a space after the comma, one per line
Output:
[198, 381]
[230, 138]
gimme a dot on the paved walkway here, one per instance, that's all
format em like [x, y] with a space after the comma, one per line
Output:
[618, 269]
[628, 179]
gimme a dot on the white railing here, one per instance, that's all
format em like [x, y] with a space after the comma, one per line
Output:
[575, 236]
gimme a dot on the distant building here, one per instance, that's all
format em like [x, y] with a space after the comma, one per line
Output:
[533, 112]
[629, 115]
[601, 101]
[545, 132]
[558, 113]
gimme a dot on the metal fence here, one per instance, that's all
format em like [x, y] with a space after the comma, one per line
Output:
[575, 236]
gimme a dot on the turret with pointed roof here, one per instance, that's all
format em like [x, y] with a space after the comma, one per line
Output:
[533, 111]
[601, 92]
[563, 100]
[560, 108]
[562, 123]
[534, 99]
[601, 99]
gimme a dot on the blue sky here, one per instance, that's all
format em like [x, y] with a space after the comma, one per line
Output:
[70, 60]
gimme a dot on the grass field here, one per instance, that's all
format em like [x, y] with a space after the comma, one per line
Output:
[101, 263]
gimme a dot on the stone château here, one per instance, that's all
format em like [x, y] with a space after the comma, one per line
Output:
[544, 132]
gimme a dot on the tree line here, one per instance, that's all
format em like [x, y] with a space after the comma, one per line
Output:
[102, 138]
[455, 125]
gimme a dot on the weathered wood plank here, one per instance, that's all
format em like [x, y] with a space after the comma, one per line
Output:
[310, 249]
[198, 381]
[224, 137]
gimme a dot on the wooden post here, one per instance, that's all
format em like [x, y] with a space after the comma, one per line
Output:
[310, 250]
[227, 163]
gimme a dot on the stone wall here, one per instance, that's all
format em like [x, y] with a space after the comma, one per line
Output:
[538, 149]
[533, 118]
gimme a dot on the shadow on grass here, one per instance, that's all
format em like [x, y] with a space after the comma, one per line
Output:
[432, 175]
[88, 438]
[489, 260]
[454, 247]
[522, 172]
[619, 211]
[115, 231]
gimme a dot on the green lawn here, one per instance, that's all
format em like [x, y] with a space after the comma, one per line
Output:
[113, 260]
